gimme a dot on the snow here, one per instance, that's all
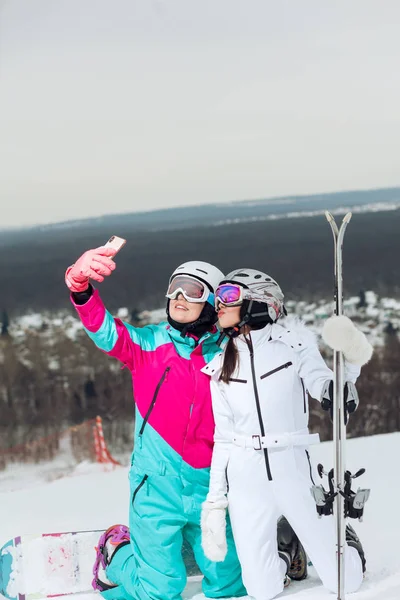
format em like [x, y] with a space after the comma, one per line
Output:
[363, 208]
[59, 497]
[31, 321]
[390, 304]
[153, 316]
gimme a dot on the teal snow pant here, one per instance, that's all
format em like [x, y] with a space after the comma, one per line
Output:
[165, 510]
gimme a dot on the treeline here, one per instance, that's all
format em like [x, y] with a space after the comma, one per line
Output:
[379, 391]
[297, 252]
[48, 384]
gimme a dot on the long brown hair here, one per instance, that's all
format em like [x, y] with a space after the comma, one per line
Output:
[231, 359]
[231, 355]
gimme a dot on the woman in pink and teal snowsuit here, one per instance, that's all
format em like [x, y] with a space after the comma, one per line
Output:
[174, 428]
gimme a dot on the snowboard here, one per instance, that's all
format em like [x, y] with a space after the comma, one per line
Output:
[55, 564]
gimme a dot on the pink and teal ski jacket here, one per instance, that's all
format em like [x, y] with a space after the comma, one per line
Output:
[174, 420]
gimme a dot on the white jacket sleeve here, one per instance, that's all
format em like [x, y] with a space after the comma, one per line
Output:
[314, 371]
[223, 436]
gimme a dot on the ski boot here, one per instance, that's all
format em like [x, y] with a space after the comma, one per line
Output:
[112, 540]
[353, 540]
[291, 551]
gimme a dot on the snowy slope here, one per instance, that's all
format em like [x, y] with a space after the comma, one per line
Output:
[89, 498]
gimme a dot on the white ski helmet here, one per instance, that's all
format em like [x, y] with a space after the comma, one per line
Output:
[202, 271]
[262, 289]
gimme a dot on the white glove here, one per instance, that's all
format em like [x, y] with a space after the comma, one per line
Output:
[340, 334]
[213, 530]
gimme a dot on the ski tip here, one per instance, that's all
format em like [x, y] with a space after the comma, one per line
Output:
[329, 216]
[347, 217]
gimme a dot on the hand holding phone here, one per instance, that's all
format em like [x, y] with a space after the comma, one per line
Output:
[93, 264]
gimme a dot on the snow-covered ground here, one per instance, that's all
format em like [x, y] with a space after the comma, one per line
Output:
[87, 497]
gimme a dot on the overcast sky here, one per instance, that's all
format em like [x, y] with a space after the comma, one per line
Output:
[124, 105]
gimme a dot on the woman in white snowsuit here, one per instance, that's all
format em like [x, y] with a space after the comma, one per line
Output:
[261, 466]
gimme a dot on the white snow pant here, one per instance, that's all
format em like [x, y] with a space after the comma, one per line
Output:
[255, 505]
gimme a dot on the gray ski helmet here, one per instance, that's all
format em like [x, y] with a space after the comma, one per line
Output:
[262, 289]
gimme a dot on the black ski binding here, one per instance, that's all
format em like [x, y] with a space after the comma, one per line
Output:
[353, 501]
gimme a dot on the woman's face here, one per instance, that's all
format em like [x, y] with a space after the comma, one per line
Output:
[183, 311]
[228, 316]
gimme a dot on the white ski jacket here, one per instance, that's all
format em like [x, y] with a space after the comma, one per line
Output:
[265, 404]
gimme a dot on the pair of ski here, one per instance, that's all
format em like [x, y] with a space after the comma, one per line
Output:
[48, 565]
[339, 500]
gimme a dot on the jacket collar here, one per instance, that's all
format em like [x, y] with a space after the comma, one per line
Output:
[258, 338]
[189, 340]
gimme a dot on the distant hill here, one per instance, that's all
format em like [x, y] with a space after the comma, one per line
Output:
[209, 214]
[296, 251]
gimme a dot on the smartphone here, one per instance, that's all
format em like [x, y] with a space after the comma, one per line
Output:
[115, 242]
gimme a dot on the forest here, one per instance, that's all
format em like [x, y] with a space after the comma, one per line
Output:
[49, 384]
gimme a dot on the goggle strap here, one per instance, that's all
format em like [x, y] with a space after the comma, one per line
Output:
[210, 298]
[221, 338]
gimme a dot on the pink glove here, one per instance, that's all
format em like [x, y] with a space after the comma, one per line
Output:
[93, 264]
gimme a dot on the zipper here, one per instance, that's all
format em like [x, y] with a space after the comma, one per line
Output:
[192, 370]
[257, 398]
[285, 366]
[159, 384]
[141, 484]
[309, 464]
[304, 396]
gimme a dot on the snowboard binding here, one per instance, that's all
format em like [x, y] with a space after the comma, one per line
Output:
[354, 502]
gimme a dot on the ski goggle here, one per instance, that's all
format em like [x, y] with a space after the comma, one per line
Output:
[191, 289]
[229, 294]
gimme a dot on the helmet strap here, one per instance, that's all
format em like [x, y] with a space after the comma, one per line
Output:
[208, 317]
[256, 320]
[233, 332]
